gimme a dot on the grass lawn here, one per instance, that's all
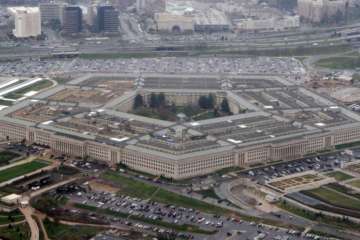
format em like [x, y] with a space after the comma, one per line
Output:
[20, 170]
[343, 189]
[339, 62]
[355, 183]
[12, 217]
[338, 222]
[7, 156]
[333, 197]
[168, 114]
[339, 176]
[18, 232]
[34, 87]
[135, 188]
[208, 193]
[117, 55]
[173, 226]
[57, 231]
[5, 102]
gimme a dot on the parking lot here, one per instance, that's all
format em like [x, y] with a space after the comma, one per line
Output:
[153, 211]
[322, 163]
[289, 67]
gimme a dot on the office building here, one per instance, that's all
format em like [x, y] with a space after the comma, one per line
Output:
[72, 20]
[317, 10]
[50, 11]
[27, 21]
[282, 122]
[107, 19]
[150, 7]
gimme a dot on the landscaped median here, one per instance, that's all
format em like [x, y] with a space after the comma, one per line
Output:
[21, 170]
[173, 226]
[339, 176]
[342, 223]
[11, 217]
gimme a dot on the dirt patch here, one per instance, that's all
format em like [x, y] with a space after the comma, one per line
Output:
[102, 187]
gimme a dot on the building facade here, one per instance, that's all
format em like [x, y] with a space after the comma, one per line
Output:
[317, 10]
[50, 11]
[107, 19]
[150, 7]
[72, 20]
[27, 21]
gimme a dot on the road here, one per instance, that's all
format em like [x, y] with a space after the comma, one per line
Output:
[34, 228]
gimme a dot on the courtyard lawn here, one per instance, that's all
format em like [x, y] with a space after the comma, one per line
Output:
[135, 188]
[339, 176]
[20, 170]
[355, 183]
[335, 198]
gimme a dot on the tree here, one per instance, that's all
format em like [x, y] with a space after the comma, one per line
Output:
[167, 236]
[203, 102]
[225, 106]
[211, 101]
[154, 103]
[339, 16]
[161, 99]
[55, 24]
[138, 101]
[207, 102]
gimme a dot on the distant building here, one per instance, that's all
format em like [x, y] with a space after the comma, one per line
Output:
[317, 10]
[122, 4]
[168, 22]
[72, 20]
[150, 7]
[211, 21]
[50, 11]
[90, 16]
[107, 19]
[272, 24]
[27, 21]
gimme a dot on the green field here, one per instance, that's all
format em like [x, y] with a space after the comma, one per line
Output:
[20, 170]
[338, 222]
[339, 176]
[18, 232]
[35, 87]
[355, 183]
[12, 217]
[135, 188]
[5, 102]
[340, 188]
[208, 193]
[345, 62]
[335, 198]
[57, 231]
[7, 156]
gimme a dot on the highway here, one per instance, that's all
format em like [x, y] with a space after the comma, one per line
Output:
[145, 43]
